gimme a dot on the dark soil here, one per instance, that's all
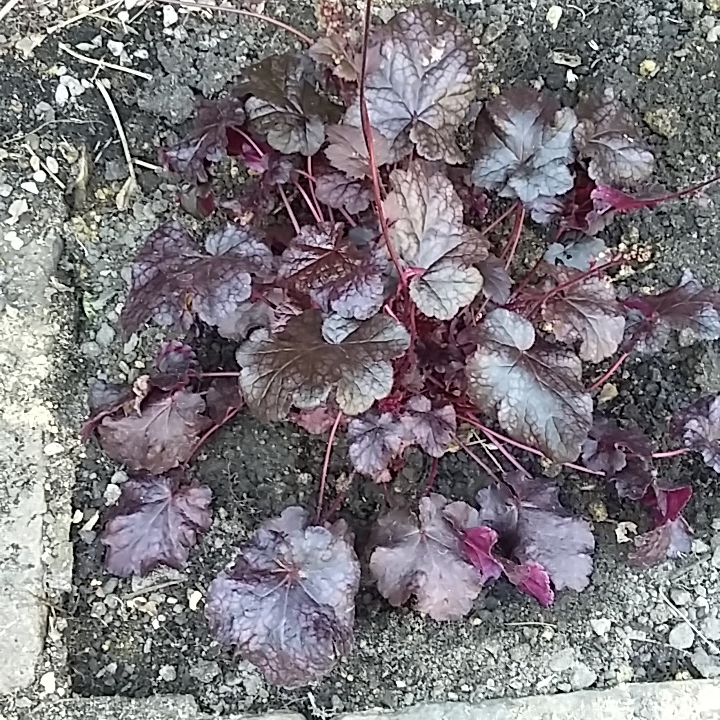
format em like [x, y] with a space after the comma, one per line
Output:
[146, 637]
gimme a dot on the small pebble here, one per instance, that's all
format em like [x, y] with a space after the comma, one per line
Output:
[105, 335]
[168, 673]
[711, 628]
[582, 677]
[562, 661]
[194, 599]
[680, 596]
[601, 626]
[681, 637]
[493, 31]
[715, 562]
[53, 448]
[48, 682]
[707, 665]
[553, 16]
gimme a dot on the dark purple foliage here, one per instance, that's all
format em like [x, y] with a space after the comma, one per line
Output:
[287, 602]
[699, 427]
[155, 522]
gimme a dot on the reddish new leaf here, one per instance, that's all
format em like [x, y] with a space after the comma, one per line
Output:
[422, 556]
[523, 146]
[375, 440]
[608, 446]
[343, 193]
[285, 106]
[173, 281]
[532, 579]
[588, 312]
[159, 436]
[536, 389]
[433, 429]
[608, 136]
[479, 543]
[429, 236]
[287, 603]
[672, 539]
[424, 85]
[337, 275]
[208, 142]
[155, 522]
[299, 367]
[688, 308]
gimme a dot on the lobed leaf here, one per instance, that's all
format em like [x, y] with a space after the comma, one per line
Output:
[374, 440]
[608, 447]
[347, 151]
[586, 311]
[155, 522]
[578, 255]
[700, 430]
[497, 283]
[429, 235]
[284, 106]
[432, 428]
[523, 146]
[608, 136]
[535, 389]
[343, 193]
[299, 367]
[688, 308]
[173, 281]
[422, 556]
[423, 87]
[287, 603]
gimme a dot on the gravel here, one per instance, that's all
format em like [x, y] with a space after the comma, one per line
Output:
[681, 636]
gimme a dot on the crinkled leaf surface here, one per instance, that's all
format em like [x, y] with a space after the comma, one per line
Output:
[432, 428]
[608, 136]
[339, 54]
[176, 358]
[155, 522]
[523, 146]
[542, 531]
[422, 556]
[173, 281]
[299, 367]
[337, 275]
[701, 430]
[428, 235]
[608, 446]
[208, 141]
[339, 191]
[284, 105]
[688, 308]
[287, 603]
[424, 84]
[536, 389]
[587, 312]
[374, 440]
[347, 151]
[158, 438]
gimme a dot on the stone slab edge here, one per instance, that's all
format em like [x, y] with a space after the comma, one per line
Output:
[681, 700]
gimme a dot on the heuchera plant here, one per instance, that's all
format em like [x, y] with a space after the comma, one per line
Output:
[368, 282]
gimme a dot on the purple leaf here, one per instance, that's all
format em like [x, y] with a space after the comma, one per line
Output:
[429, 236]
[317, 421]
[208, 141]
[375, 440]
[608, 136]
[341, 192]
[284, 106]
[536, 389]
[532, 579]
[433, 429]
[478, 544]
[700, 428]
[688, 308]
[497, 283]
[172, 280]
[608, 446]
[523, 146]
[155, 522]
[160, 436]
[223, 396]
[338, 54]
[347, 151]
[299, 367]
[670, 540]
[246, 317]
[424, 85]
[423, 556]
[322, 264]
[588, 312]
[542, 533]
[176, 358]
[287, 603]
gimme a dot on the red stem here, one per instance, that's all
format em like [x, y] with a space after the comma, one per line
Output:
[514, 240]
[291, 214]
[367, 134]
[247, 13]
[480, 462]
[254, 145]
[670, 453]
[326, 465]
[498, 220]
[229, 415]
[606, 375]
[431, 477]
[316, 212]
[229, 373]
